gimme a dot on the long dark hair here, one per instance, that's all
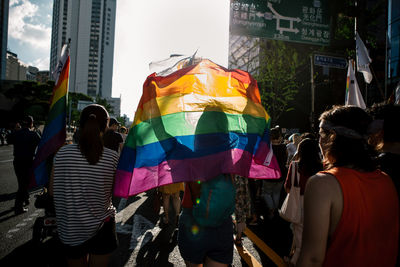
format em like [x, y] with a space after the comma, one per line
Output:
[346, 143]
[309, 157]
[93, 121]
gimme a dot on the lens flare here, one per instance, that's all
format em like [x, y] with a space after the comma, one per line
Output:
[195, 229]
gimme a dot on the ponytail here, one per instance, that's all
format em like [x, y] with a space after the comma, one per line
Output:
[93, 121]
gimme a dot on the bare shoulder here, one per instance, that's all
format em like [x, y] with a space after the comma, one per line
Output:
[323, 183]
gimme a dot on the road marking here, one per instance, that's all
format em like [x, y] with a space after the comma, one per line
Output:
[121, 205]
[266, 249]
[247, 257]
[28, 219]
[125, 229]
[20, 224]
[13, 230]
[130, 209]
[143, 231]
[8, 160]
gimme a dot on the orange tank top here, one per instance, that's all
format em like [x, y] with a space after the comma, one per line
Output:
[368, 231]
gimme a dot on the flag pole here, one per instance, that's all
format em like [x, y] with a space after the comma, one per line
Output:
[68, 98]
[355, 36]
[377, 83]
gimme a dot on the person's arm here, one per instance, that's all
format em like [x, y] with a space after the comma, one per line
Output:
[320, 191]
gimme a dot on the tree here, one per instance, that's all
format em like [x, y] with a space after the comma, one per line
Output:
[105, 104]
[277, 73]
[73, 99]
[31, 98]
[123, 119]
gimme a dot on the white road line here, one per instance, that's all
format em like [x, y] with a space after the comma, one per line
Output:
[13, 230]
[20, 224]
[8, 160]
[122, 204]
[143, 231]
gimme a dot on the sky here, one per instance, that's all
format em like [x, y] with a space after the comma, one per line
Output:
[145, 31]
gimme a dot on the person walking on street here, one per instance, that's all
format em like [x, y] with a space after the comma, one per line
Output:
[25, 142]
[351, 209]
[112, 138]
[81, 183]
[307, 164]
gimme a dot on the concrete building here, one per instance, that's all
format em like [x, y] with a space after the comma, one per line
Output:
[89, 25]
[3, 37]
[15, 69]
[116, 105]
[31, 73]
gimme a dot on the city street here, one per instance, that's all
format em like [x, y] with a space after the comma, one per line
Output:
[143, 241]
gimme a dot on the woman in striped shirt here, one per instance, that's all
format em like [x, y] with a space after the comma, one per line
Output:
[82, 182]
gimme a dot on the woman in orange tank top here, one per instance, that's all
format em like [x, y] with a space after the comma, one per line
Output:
[351, 213]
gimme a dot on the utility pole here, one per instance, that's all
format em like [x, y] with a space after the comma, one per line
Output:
[312, 92]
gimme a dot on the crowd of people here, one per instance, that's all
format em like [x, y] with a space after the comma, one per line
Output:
[346, 173]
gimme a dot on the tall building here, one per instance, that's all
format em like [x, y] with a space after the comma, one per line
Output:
[244, 53]
[3, 37]
[89, 26]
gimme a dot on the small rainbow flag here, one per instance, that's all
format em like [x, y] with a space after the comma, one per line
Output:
[54, 133]
[196, 123]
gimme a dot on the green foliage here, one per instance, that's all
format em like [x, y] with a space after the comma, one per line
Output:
[73, 99]
[104, 103]
[279, 66]
[366, 14]
[31, 98]
[123, 120]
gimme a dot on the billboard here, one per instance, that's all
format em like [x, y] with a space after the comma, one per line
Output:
[303, 21]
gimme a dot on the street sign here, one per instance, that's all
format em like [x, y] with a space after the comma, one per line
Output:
[304, 21]
[329, 61]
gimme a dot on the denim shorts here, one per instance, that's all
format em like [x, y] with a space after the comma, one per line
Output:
[104, 242]
[196, 242]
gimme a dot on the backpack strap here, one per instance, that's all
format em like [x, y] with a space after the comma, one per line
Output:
[192, 195]
[295, 174]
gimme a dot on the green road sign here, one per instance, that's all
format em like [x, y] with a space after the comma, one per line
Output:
[304, 21]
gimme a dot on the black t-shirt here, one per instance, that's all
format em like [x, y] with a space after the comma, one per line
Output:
[281, 156]
[112, 140]
[25, 143]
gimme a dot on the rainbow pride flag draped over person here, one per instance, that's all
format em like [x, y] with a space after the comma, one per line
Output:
[54, 133]
[194, 124]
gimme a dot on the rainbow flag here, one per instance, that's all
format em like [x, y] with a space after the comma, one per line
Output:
[194, 124]
[353, 94]
[54, 133]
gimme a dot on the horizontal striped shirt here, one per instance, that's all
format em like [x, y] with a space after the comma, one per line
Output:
[82, 193]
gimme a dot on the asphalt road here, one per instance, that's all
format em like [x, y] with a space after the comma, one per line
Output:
[143, 240]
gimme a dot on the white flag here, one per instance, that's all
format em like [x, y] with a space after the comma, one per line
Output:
[353, 94]
[172, 64]
[363, 59]
[61, 62]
